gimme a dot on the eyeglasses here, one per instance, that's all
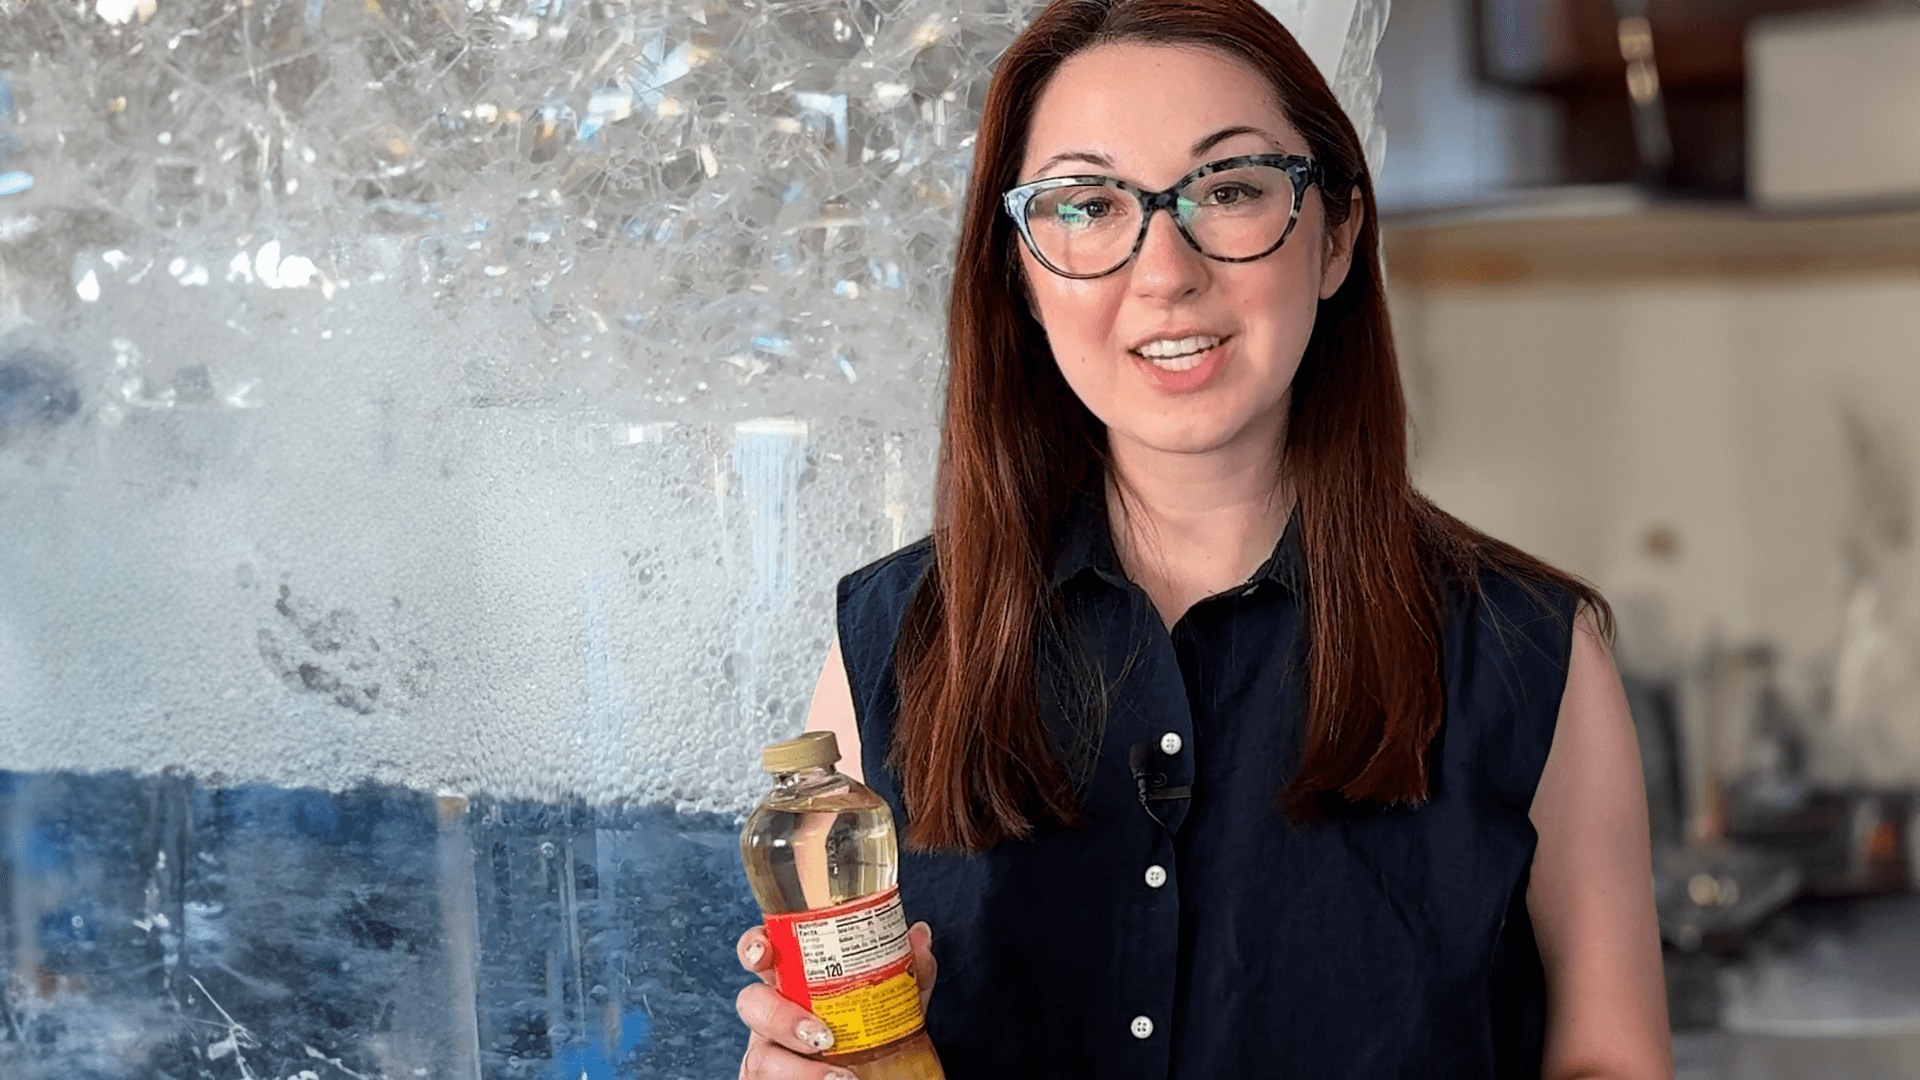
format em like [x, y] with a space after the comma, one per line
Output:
[1237, 209]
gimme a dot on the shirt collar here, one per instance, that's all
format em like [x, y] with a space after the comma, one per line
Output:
[1086, 546]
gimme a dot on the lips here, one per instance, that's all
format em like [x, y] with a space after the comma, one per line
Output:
[1177, 351]
[1181, 372]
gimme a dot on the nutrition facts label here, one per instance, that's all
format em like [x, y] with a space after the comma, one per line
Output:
[855, 943]
[851, 966]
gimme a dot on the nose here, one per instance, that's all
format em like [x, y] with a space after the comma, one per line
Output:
[1166, 267]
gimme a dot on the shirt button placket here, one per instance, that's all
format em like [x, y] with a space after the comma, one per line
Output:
[1152, 985]
[1151, 926]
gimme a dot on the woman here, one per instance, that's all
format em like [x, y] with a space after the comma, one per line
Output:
[1220, 751]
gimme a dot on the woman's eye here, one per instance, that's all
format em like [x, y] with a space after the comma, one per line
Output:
[1232, 195]
[1086, 210]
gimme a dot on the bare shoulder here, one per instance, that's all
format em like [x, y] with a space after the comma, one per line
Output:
[1595, 760]
[1590, 894]
[832, 710]
[1594, 753]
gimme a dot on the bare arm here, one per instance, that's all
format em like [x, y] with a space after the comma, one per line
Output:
[1591, 892]
[832, 710]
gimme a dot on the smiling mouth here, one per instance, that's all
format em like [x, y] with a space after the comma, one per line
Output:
[1178, 354]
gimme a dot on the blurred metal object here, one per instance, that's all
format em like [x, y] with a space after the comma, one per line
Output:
[1722, 891]
[1738, 830]
[1643, 89]
[1833, 995]
[1869, 1054]
[1913, 845]
[1653, 705]
[1595, 58]
[1731, 726]
[1705, 888]
[1847, 842]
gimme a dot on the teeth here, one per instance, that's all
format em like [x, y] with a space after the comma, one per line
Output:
[1178, 354]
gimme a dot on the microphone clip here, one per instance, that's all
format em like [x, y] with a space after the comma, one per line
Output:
[1151, 784]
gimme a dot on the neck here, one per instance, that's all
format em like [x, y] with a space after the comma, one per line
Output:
[1187, 526]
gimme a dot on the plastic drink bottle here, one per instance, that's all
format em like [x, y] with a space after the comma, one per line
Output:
[823, 862]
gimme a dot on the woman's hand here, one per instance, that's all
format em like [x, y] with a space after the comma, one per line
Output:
[783, 1032]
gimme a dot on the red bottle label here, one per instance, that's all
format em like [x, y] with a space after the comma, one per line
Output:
[851, 966]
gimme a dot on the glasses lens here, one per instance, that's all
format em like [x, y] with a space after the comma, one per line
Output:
[1083, 229]
[1238, 213]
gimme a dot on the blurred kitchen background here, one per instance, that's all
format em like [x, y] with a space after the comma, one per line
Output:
[429, 434]
[1656, 271]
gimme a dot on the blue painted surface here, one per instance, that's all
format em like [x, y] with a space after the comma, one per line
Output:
[157, 927]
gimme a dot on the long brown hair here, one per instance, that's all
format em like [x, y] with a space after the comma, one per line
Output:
[974, 759]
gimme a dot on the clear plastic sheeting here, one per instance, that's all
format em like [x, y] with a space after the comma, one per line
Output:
[469, 395]
[1341, 36]
[159, 928]
[698, 211]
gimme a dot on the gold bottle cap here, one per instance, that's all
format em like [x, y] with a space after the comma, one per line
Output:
[814, 749]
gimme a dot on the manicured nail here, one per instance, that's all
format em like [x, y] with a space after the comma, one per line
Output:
[837, 1075]
[814, 1034]
[754, 952]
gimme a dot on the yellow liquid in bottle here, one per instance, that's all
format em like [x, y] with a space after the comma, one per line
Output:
[818, 840]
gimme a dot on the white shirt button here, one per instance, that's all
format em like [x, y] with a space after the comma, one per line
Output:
[1170, 743]
[1141, 1027]
[1156, 876]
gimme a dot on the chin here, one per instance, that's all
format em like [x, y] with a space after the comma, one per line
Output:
[1182, 441]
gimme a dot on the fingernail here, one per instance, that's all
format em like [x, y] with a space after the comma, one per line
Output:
[840, 1076]
[814, 1034]
[754, 952]
[928, 930]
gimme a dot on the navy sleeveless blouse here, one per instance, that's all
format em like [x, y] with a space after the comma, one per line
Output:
[1220, 940]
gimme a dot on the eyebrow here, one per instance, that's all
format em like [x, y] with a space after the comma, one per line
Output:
[1088, 156]
[1225, 133]
[1204, 144]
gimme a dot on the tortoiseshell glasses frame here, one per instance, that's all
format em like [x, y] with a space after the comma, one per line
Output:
[1302, 173]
